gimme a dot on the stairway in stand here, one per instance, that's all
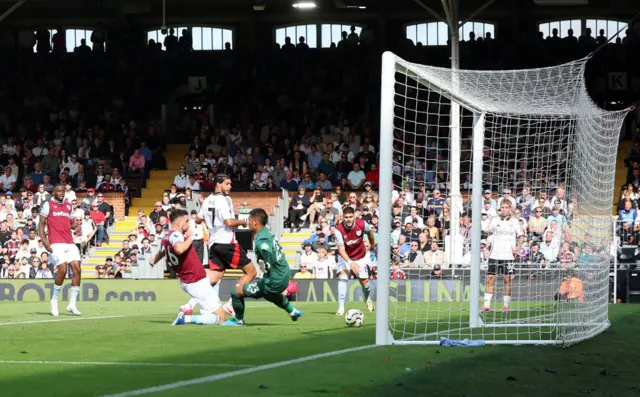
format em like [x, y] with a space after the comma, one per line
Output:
[98, 255]
[160, 180]
[292, 243]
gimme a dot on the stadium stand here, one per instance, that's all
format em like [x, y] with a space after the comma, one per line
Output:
[303, 117]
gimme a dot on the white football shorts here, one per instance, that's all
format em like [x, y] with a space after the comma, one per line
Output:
[64, 253]
[204, 294]
[362, 264]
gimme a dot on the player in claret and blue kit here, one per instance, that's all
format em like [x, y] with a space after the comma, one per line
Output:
[351, 248]
[57, 216]
[177, 248]
[276, 277]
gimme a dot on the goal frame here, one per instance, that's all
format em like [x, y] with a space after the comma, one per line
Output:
[387, 129]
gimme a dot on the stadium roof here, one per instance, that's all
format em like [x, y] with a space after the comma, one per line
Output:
[280, 9]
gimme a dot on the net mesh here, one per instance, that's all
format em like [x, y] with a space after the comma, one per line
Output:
[546, 145]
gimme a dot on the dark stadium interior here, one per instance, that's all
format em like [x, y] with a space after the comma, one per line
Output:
[136, 105]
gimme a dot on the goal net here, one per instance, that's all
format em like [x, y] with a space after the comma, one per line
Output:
[456, 146]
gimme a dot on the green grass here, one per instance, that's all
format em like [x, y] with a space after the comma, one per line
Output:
[144, 336]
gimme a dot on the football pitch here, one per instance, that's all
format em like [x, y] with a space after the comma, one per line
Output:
[129, 348]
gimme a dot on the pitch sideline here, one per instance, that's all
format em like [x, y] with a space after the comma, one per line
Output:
[227, 375]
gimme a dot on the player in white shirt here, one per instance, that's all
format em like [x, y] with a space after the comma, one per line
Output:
[217, 212]
[505, 233]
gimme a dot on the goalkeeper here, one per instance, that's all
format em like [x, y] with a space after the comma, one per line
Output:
[276, 277]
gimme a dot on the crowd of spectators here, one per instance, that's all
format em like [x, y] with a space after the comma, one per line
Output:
[308, 126]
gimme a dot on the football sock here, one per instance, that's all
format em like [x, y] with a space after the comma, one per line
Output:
[281, 301]
[205, 319]
[74, 296]
[237, 302]
[192, 302]
[342, 290]
[366, 290]
[56, 292]
[487, 299]
[507, 300]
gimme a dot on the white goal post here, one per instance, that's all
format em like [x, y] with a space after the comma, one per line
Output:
[531, 137]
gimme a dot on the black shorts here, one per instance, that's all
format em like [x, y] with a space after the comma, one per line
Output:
[227, 256]
[500, 266]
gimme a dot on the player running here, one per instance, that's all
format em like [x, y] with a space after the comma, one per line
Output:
[216, 211]
[276, 276]
[177, 247]
[505, 234]
[55, 216]
[351, 248]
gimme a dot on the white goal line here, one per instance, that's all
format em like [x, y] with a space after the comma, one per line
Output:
[124, 364]
[227, 375]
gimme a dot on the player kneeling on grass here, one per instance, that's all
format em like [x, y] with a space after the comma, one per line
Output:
[276, 273]
[177, 247]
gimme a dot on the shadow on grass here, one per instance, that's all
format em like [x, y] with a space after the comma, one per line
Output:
[252, 347]
[603, 366]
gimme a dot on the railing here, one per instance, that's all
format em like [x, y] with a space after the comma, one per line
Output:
[144, 270]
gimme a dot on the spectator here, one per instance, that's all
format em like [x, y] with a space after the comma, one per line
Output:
[435, 257]
[308, 256]
[8, 179]
[99, 219]
[396, 272]
[373, 176]
[356, 178]
[324, 266]
[89, 228]
[414, 258]
[43, 271]
[303, 274]
[297, 208]
[317, 205]
[180, 180]
[321, 242]
[137, 162]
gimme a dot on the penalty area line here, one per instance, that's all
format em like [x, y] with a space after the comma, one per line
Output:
[61, 320]
[227, 375]
[124, 364]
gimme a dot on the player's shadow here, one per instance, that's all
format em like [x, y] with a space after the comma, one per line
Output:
[342, 328]
[246, 325]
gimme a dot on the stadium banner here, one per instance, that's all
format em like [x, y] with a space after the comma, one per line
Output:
[432, 290]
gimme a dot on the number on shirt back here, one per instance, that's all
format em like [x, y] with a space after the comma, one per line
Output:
[171, 257]
[213, 216]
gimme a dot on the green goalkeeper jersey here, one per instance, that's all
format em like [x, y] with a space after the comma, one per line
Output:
[275, 263]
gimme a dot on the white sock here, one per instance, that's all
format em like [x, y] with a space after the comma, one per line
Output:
[230, 301]
[192, 302]
[56, 292]
[342, 290]
[507, 300]
[74, 296]
[205, 319]
[487, 299]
